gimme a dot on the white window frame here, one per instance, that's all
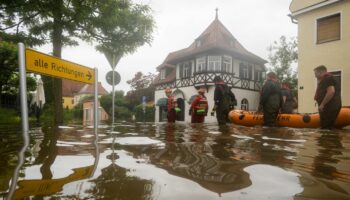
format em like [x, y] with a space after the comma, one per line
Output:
[214, 63]
[226, 64]
[186, 70]
[200, 64]
[245, 72]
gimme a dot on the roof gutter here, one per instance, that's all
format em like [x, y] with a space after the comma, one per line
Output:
[314, 7]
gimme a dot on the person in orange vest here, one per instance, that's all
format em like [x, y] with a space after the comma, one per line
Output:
[171, 104]
[199, 107]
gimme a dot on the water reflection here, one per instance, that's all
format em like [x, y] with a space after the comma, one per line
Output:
[179, 161]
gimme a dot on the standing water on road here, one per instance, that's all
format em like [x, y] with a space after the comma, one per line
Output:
[177, 161]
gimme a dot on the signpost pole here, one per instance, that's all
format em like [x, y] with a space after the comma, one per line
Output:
[24, 116]
[96, 118]
[23, 87]
[113, 94]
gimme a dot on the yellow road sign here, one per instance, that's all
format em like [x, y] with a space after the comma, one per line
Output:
[52, 66]
[50, 186]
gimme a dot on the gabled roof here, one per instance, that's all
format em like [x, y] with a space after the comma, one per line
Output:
[89, 89]
[215, 36]
[70, 88]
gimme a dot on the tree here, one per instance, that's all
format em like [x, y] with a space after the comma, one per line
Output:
[282, 55]
[107, 24]
[141, 86]
[121, 109]
[9, 79]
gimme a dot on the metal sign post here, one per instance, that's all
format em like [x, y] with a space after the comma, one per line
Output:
[96, 117]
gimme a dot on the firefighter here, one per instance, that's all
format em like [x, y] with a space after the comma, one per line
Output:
[199, 107]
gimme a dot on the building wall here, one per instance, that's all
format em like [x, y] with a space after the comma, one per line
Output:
[68, 102]
[88, 113]
[251, 96]
[334, 55]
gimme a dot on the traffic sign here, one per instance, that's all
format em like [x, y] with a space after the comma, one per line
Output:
[109, 78]
[53, 66]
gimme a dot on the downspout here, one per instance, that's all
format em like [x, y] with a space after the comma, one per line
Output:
[292, 18]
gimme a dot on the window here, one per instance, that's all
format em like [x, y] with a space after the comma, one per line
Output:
[162, 74]
[328, 29]
[227, 64]
[214, 63]
[87, 114]
[72, 101]
[200, 66]
[257, 75]
[243, 71]
[185, 70]
[198, 43]
[244, 104]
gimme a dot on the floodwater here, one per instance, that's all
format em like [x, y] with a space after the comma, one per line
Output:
[175, 161]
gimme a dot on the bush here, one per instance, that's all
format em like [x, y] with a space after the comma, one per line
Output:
[9, 116]
[148, 116]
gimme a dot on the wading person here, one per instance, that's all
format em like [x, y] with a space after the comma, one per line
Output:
[289, 102]
[224, 100]
[171, 104]
[199, 107]
[270, 99]
[327, 97]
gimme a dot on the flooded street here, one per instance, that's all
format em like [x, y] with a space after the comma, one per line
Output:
[177, 161]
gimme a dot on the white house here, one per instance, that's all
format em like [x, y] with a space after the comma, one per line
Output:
[214, 52]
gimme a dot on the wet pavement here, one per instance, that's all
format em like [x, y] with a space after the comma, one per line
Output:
[176, 161]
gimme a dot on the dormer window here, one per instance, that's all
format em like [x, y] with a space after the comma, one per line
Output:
[232, 43]
[162, 74]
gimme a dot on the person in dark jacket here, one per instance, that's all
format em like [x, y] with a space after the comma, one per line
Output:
[199, 107]
[289, 102]
[171, 104]
[270, 99]
[224, 100]
[327, 96]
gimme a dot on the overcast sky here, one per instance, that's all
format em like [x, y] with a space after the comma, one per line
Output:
[254, 23]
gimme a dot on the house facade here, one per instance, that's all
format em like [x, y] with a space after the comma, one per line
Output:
[323, 39]
[215, 52]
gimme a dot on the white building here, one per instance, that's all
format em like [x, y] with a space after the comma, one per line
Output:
[214, 52]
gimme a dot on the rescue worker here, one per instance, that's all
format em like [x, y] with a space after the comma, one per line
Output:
[199, 107]
[327, 96]
[171, 104]
[224, 100]
[270, 99]
[289, 101]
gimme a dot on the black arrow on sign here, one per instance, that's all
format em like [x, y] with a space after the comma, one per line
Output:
[89, 75]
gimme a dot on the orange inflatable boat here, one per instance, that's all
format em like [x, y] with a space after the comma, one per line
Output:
[246, 118]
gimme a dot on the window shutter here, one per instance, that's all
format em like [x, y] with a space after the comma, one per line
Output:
[328, 29]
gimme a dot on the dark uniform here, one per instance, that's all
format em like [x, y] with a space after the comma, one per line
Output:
[289, 104]
[224, 100]
[270, 101]
[332, 108]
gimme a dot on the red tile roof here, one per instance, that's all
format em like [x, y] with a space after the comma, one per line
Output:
[70, 88]
[89, 89]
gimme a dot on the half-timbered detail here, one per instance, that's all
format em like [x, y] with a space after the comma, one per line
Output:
[214, 53]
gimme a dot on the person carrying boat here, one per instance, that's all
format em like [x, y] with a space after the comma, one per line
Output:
[327, 97]
[171, 105]
[199, 107]
[289, 101]
[224, 100]
[270, 99]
